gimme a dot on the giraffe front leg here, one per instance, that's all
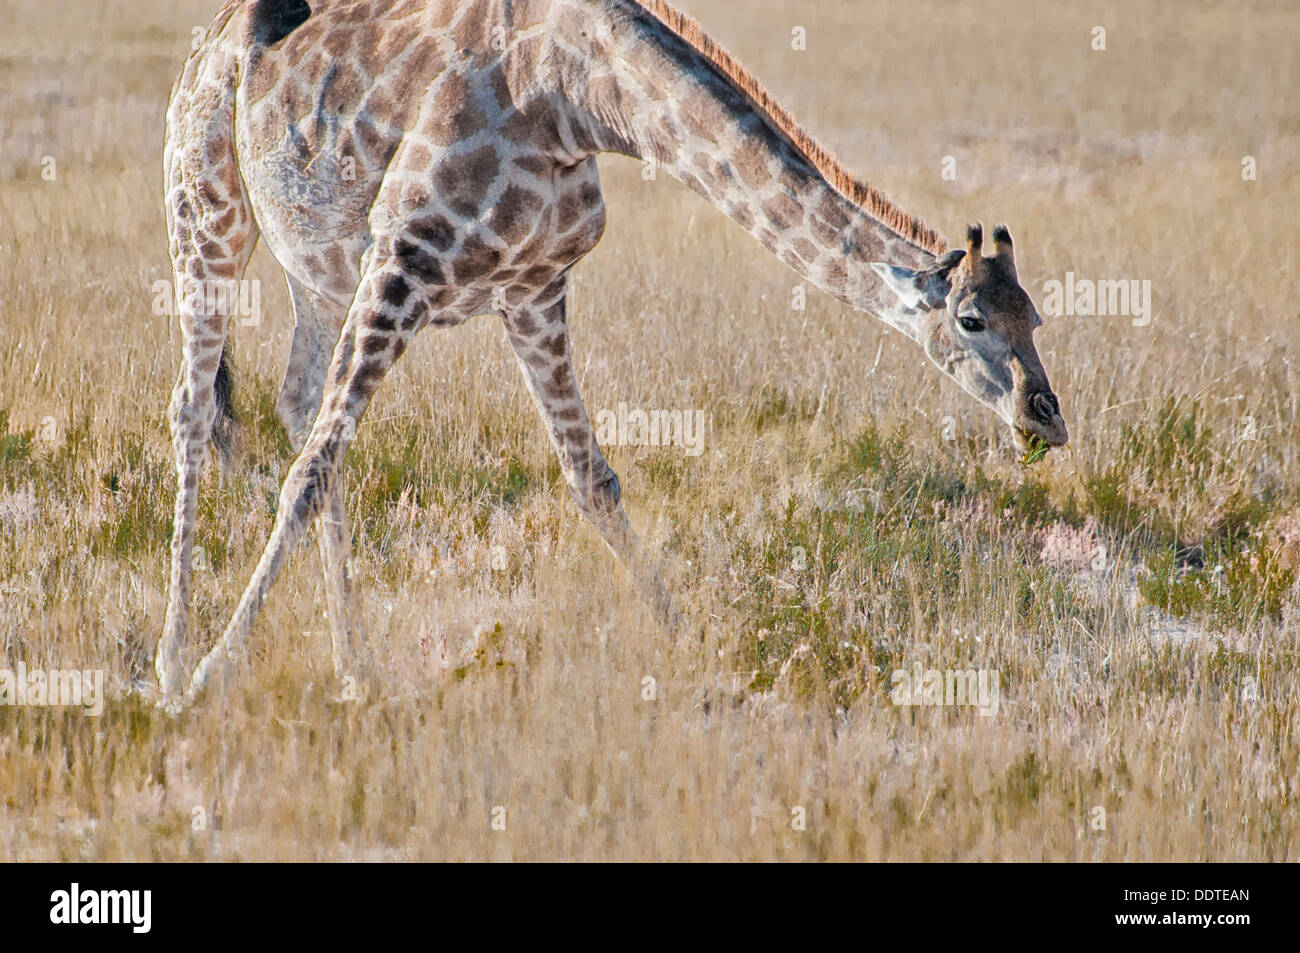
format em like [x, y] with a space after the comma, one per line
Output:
[386, 314]
[539, 335]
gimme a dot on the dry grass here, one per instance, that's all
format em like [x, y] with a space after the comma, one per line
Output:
[829, 535]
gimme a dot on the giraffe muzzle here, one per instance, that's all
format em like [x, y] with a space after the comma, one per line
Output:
[1042, 419]
[1044, 407]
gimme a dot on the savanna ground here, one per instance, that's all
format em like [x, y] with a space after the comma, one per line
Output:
[852, 514]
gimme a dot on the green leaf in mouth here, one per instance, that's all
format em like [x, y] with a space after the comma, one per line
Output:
[1036, 450]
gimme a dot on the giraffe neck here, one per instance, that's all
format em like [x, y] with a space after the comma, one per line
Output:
[665, 100]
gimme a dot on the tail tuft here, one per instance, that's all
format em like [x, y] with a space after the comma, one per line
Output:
[273, 20]
[223, 425]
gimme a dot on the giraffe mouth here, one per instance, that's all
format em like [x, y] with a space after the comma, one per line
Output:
[1036, 433]
[1031, 446]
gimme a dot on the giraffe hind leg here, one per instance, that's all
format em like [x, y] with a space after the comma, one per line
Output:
[390, 307]
[317, 322]
[212, 234]
[192, 413]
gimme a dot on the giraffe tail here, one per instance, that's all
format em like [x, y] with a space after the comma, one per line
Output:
[223, 425]
[270, 21]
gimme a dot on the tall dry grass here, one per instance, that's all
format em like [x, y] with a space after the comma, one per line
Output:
[853, 514]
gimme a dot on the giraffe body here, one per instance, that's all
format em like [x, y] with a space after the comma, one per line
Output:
[416, 162]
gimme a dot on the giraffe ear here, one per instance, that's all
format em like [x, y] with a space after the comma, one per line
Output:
[928, 289]
[948, 262]
[903, 282]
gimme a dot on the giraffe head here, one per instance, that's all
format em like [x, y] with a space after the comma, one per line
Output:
[977, 323]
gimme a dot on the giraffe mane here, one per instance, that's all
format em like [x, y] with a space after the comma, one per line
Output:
[870, 199]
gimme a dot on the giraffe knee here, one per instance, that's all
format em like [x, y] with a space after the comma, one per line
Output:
[191, 427]
[175, 412]
[181, 412]
[313, 474]
[303, 494]
[599, 496]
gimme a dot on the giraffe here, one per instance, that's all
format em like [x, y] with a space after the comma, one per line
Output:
[413, 163]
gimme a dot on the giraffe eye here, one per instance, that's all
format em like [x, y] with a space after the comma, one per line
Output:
[968, 316]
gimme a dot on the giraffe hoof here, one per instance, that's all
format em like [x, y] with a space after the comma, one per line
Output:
[171, 705]
[144, 690]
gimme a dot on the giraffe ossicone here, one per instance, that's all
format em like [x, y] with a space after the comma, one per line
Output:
[412, 163]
